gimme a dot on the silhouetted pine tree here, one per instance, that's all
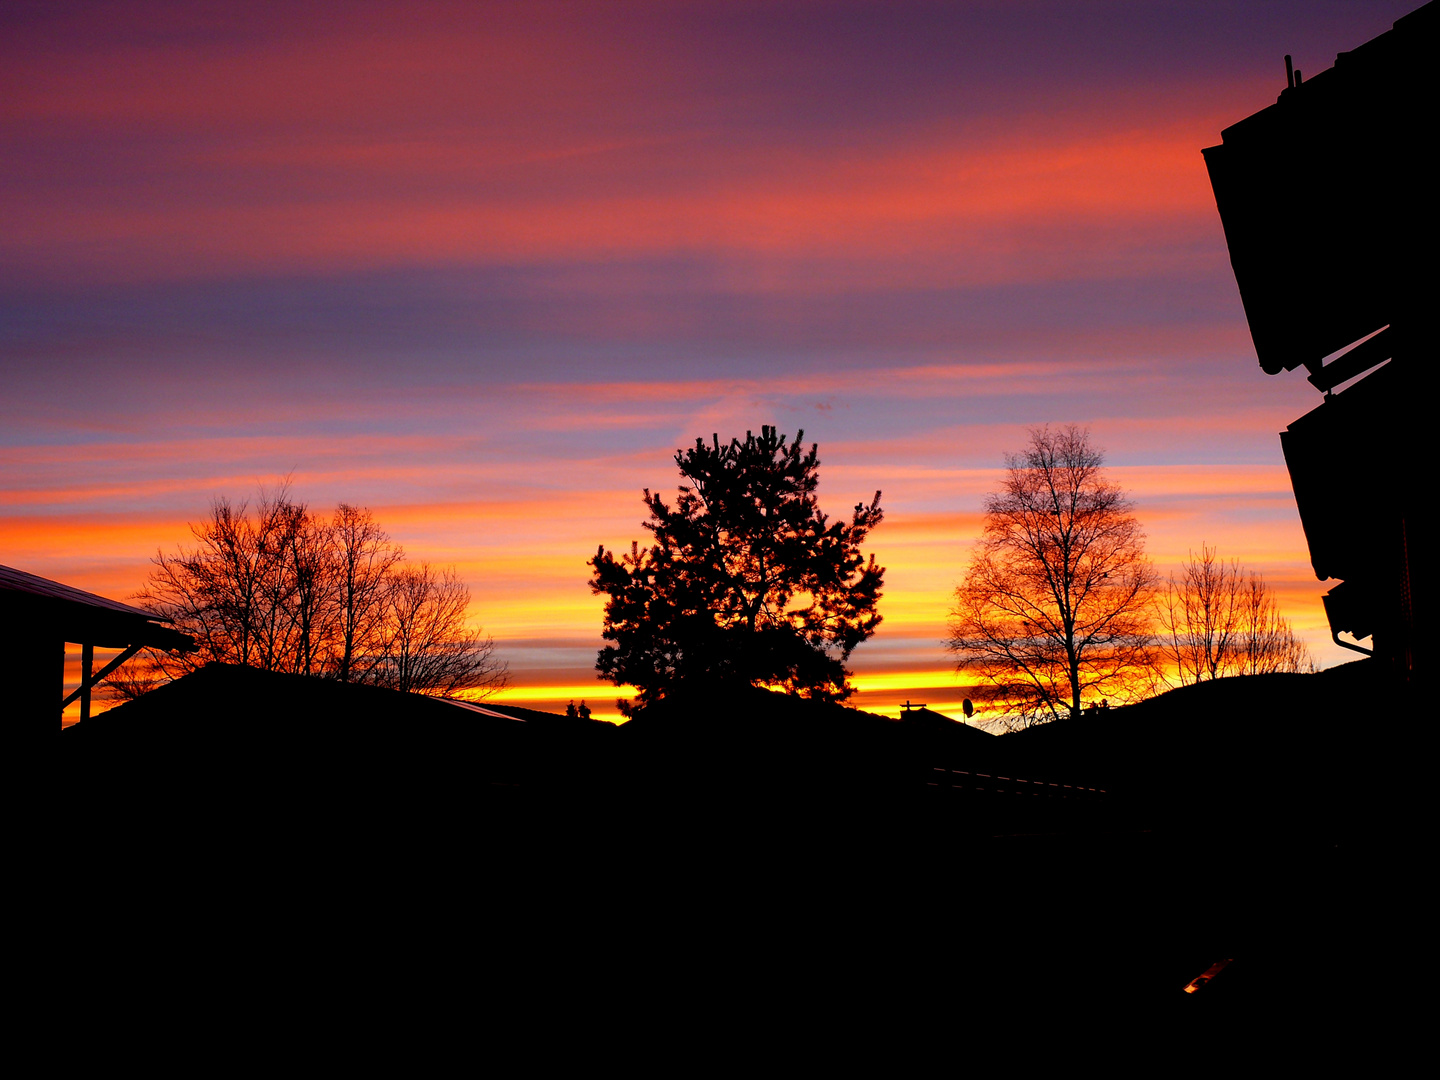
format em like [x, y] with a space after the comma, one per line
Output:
[747, 582]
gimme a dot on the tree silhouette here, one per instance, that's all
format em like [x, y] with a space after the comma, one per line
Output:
[280, 588]
[1217, 619]
[747, 582]
[1056, 602]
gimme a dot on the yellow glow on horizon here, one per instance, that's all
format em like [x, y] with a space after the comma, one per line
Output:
[562, 692]
[874, 682]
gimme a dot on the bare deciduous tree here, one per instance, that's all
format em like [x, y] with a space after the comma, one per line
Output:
[1267, 642]
[278, 588]
[1217, 619]
[366, 560]
[1055, 606]
[427, 645]
[233, 591]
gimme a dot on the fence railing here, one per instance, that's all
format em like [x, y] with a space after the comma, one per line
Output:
[994, 784]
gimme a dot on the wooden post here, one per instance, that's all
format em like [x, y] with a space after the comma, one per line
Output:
[58, 659]
[87, 674]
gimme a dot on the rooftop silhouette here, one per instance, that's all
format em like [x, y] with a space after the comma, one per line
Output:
[1329, 208]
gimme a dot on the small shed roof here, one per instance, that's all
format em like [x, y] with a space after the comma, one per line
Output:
[77, 615]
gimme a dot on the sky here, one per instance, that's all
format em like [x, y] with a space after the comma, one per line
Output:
[483, 268]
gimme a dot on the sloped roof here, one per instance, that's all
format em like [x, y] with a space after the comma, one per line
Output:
[82, 616]
[19, 581]
[1326, 204]
[921, 715]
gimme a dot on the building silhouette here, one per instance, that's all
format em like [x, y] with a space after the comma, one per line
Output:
[1328, 199]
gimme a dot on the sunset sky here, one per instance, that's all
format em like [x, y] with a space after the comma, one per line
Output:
[484, 267]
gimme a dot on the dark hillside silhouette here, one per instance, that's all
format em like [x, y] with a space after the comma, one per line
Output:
[258, 753]
[1284, 751]
[747, 827]
[1275, 814]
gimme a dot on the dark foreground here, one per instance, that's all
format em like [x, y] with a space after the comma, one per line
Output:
[332, 840]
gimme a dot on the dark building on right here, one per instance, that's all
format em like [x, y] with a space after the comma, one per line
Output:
[1328, 198]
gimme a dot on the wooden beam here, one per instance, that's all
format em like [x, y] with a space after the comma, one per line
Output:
[1362, 357]
[97, 677]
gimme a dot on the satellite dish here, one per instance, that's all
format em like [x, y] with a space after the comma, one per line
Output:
[968, 707]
